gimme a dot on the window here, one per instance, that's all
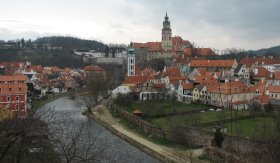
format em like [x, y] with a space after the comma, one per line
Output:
[17, 107]
[8, 98]
[10, 89]
[0, 89]
[19, 89]
[17, 98]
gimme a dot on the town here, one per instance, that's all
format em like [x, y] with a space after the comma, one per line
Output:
[172, 90]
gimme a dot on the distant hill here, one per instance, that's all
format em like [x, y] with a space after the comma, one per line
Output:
[275, 51]
[71, 43]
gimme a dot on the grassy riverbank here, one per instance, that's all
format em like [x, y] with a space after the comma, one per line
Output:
[161, 149]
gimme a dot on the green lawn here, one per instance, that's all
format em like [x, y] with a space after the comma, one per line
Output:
[207, 117]
[152, 108]
[260, 127]
[201, 118]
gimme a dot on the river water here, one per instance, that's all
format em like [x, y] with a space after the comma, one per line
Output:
[116, 149]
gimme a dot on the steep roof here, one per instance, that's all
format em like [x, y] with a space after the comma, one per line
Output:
[238, 68]
[212, 63]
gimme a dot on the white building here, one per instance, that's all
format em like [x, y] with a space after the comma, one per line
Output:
[122, 89]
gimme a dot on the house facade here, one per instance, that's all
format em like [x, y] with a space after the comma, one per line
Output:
[13, 94]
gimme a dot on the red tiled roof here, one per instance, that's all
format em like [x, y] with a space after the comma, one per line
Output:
[249, 62]
[263, 99]
[273, 88]
[13, 78]
[13, 87]
[199, 51]
[36, 68]
[202, 71]
[206, 79]
[93, 68]
[236, 87]
[262, 72]
[187, 86]
[151, 46]
[159, 85]
[57, 69]
[135, 80]
[171, 72]
[212, 63]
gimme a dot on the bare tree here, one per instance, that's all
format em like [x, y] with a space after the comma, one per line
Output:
[44, 137]
[76, 143]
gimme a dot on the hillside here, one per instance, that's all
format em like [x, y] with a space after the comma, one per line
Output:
[71, 43]
[269, 51]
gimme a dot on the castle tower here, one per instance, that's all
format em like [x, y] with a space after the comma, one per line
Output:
[130, 61]
[166, 33]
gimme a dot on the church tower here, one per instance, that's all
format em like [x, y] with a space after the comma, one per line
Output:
[130, 61]
[166, 33]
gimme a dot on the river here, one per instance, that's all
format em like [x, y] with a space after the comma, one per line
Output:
[116, 149]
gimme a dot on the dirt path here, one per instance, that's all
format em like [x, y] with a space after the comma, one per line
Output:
[102, 113]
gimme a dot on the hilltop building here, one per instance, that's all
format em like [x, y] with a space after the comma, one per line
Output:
[169, 47]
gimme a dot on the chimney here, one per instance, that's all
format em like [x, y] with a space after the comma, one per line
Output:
[254, 57]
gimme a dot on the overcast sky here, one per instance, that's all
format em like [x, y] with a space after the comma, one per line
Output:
[248, 24]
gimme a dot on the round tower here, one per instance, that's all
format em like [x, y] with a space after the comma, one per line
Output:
[166, 33]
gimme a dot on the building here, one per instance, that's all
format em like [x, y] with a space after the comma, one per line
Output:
[13, 94]
[185, 92]
[167, 48]
[94, 72]
[231, 95]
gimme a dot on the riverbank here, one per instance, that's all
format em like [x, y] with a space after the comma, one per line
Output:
[165, 154]
[42, 102]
